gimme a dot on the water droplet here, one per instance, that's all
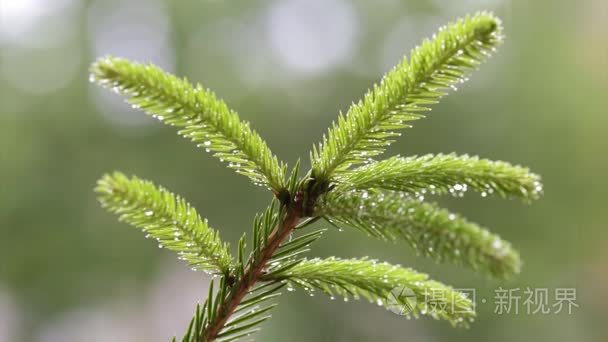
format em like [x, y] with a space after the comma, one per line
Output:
[290, 289]
[207, 143]
[484, 194]
[451, 217]
[149, 213]
[379, 302]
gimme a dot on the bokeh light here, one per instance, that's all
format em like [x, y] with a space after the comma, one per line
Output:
[312, 36]
[137, 30]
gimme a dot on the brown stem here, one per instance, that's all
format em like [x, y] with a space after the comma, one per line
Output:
[253, 272]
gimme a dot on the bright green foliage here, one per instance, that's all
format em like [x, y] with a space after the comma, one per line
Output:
[430, 230]
[204, 118]
[166, 218]
[382, 198]
[440, 174]
[370, 125]
[381, 283]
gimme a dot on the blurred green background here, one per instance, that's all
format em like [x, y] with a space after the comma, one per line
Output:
[70, 272]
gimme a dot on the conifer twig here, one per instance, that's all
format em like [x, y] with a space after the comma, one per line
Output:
[253, 272]
[383, 198]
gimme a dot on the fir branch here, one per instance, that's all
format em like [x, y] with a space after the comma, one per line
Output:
[240, 303]
[204, 119]
[235, 310]
[370, 125]
[440, 174]
[252, 311]
[273, 227]
[376, 198]
[167, 218]
[379, 283]
[430, 230]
